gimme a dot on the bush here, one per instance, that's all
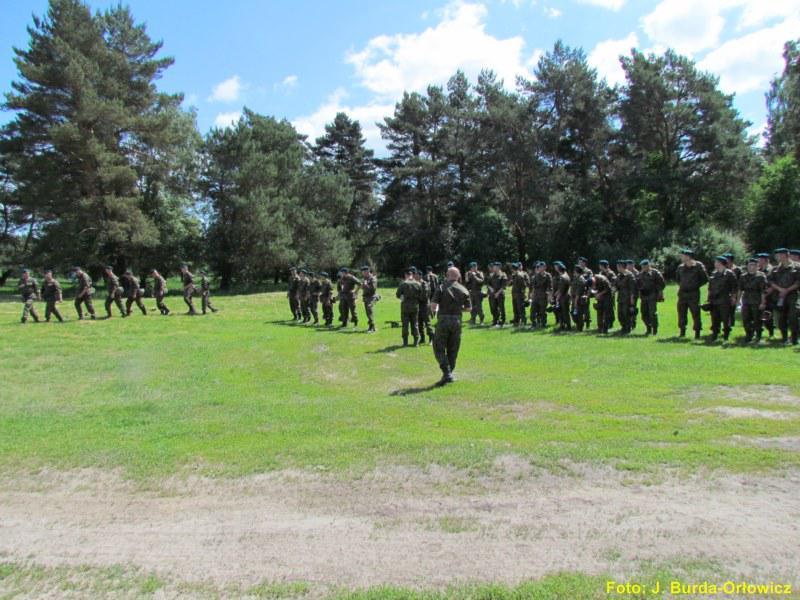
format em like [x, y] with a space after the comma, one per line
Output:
[707, 241]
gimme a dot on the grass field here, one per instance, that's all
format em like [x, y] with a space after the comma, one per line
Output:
[244, 392]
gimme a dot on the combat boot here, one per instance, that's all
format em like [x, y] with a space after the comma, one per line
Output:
[648, 331]
[416, 342]
[422, 338]
[447, 377]
[405, 340]
[697, 334]
[682, 333]
[655, 329]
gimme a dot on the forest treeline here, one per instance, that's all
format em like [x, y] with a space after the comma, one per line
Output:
[98, 166]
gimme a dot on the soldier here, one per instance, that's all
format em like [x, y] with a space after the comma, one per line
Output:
[159, 291]
[424, 315]
[432, 279]
[326, 298]
[588, 275]
[205, 293]
[294, 306]
[737, 271]
[722, 291]
[561, 285]
[541, 294]
[474, 283]
[302, 295]
[763, 263]
[651, 291]
[753, 293]
[631, 267]
[794, 256]
[449, 300]
[765, 267]
[410, 293]
[520, 286]
[579, 296]
[51, 294]
[133, 292]
[84, 293]
[29, 290]
[691, 276]
[608, 272]
[626, 294]
[604, 302]
[369, 292]
[497, 283]
[113, 292]
[314, 291]
[187, 280]
[348, 294]
[784, 281]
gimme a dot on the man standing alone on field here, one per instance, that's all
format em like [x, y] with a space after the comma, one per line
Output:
[449, 300]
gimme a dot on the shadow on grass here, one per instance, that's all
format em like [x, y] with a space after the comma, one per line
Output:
[413, 390]
[388, 349]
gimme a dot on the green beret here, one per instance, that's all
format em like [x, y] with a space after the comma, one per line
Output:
[344, 270]
[781, 251]
[128, 271]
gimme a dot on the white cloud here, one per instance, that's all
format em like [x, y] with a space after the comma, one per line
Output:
[614, 5]
[605, 57]
[367, 115]
[226, 91]
[688, 26]
[227, 119]
[748, 63]
[759, 12]
[391, 64]
[289, 81]
[552, 13]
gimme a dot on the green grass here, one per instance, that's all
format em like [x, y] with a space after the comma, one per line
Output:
[243, 391]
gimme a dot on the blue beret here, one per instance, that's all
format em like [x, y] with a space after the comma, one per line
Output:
[762, 255]
[794, 251]
[344, 270]
[429, 268]
[721, 259]
[450, 263]
[603, 262]
[323, 273]
[629, 261]
[26, 271]
[752, 260]
[644, 262]
[621, 261]
[728, 255]
[109, 267]
[687, 252]
[781, 251]
[582, 259]
[558, 263]
[473, 264]
[365, 268]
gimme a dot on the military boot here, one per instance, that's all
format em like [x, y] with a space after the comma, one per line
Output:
[682, 333]
[405, 340]
[697, 334]
[416, 342]
[421, 338]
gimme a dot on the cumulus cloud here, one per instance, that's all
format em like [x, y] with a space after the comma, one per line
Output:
[552, 13]
[758, 12]
[614, 5]
[289, 81]
[393, 63]
[605, 57]
[227, 119]
[688, 26]
[227, 91]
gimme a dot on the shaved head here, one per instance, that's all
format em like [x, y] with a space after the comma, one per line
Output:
[453, 274]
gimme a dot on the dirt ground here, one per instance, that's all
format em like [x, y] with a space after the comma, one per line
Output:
[403, 526]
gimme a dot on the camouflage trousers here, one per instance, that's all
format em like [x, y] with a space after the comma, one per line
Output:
[518, 307]
[539, 311]
[114, 297]
[369, 308]
[160, 303]
[563, 313]
[409, 317]
[84, 300]
[327, 311]
[293, 305]
[447, 342]
[347, 310]
[51, 309]
[691, 304]
[605, 312]
[649, 308]
[787, 318]
[424, 322]
[580, 312]
[188, 292]
[476, 298]
[205, 301]
[497, 306]
[305, 312]
[721, 318]
[624, 313]
[138, 300]
[29, 309]
[313, 304]
[751, 319]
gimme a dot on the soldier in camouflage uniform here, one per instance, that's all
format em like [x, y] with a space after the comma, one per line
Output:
[51, 294]
[432, 279]
[133, 292]
[113, 292]
[784, 281]
[561, 297]
[691, 276]
[302, 295]
[314, 291]
[187, 280]
[626, 293]
[159, 291]
[520, 286]
[205, 293]
[722, 292]
[651, 291]
[737, 271]
[348, 294]
[631, 267]
[579, 297]
[410, 293]
[369, 292]
[588, 275]
[765, 267]
[475, 280]
[604, 302]
[541, 294]
[449, 301]
[424, 316]
[753, 293]
[497, 283]
[83, 294]
[326, 298]
[29, 290]
[608, 272]
[294, 306]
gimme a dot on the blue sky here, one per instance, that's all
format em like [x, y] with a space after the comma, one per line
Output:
[306, 60]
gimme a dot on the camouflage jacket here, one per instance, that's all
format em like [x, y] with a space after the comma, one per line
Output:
[28, 289]
[721, 286]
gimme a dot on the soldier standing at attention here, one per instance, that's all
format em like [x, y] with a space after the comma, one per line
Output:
[205, 293]
[588, 275]
[626, 286]
[579, 296]
[133, 292]
[29, 290]
[159, 291]
[520, 285]
[410, 293]
[561, 285]
[737, 271]
[424, 316]
[187, 279]
[541, 294]
[691, 276]
[51, 294]
[474, 280]
[369, 291]
[722, 291]
[631, 267]
[83, 294]
[294, 281]
[432, 279]
[326, 298]
[114, 292]
[606, 270]
[753, 292]
[449, 301]
[784, 281]
[651, 291]
[765, 267]
[348, 294]
[497, 283]
[314, 291]
[302, 295]
[604, 302]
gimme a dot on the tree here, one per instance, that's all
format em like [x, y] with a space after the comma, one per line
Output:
[775, 201]
[783, 106]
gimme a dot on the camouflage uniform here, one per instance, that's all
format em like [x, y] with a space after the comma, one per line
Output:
[786, 276]
[722, 287]
[561, 284]
[474, 283]
[369, 293]
[113, 293]
[326, 298]
[51, 294]
[579, 295]
[753, 287]
[432, 280]
[410, 293]
[452, 299]
[626, 289]
[604, 303]
[159, 292]
[294, 306]
[187, 279]
[133, 293]
[520, 284]
[314, 290]
[303, 296]
[205, 294]
[348, 294]
[651, 291]
[497, 283]
[690, 279]
[541, 292]
[83, 295]
[612, 280]
[424, 318]
[29, 290]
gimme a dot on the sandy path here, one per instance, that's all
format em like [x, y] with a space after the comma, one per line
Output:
[402, 526]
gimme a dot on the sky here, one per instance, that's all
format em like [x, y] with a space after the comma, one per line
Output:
[305, 61]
